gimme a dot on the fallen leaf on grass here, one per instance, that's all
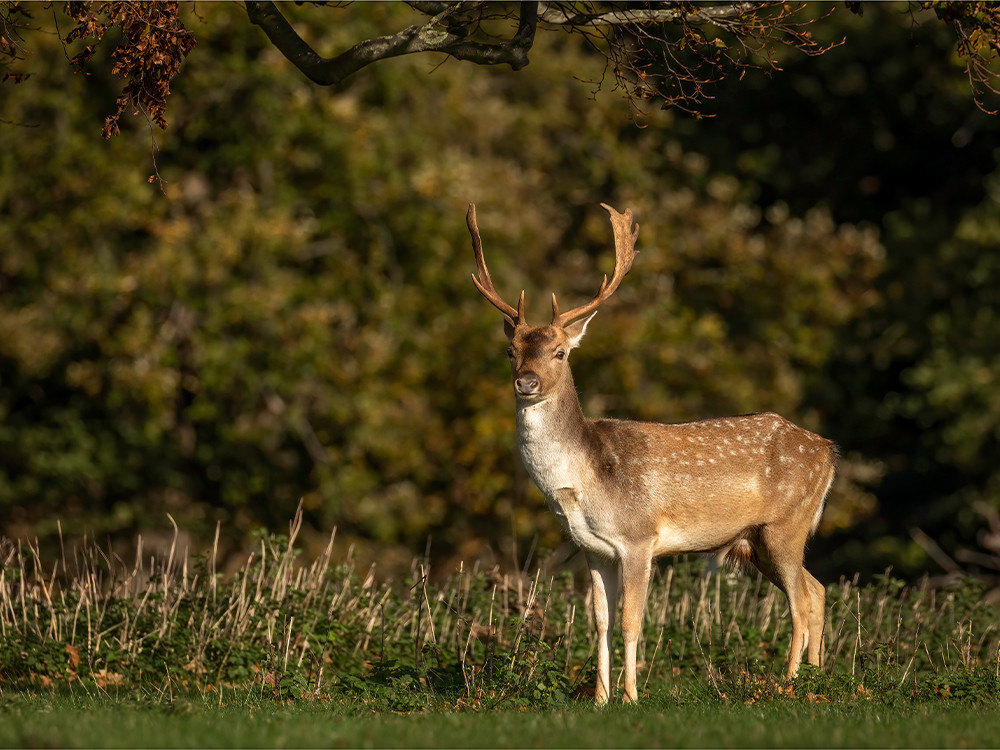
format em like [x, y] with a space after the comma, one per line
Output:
[44, 680]
[104, 678]
[195, 666]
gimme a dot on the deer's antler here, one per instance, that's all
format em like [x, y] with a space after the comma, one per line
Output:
[625, 236]
[483, 282]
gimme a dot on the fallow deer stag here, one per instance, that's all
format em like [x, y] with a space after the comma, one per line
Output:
[748, 489]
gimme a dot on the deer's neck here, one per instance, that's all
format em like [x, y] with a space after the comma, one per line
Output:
[552, 438]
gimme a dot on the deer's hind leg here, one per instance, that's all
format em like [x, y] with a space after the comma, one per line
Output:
[779, 552]
[817, 617]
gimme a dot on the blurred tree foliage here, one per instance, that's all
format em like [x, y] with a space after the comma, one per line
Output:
[290, 313]
[888, 137]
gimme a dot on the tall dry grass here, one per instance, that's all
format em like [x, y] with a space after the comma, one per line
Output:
[298, 627]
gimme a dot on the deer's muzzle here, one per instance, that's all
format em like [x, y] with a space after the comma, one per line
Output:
[527, 384]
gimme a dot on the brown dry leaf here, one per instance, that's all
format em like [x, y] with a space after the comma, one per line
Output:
[43, 680]
[74, 656]
[152, 47]
[104, 678]
[194, 666]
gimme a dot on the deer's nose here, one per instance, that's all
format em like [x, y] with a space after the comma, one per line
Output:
[527, 384]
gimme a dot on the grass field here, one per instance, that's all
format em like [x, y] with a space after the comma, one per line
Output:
[102, 652]
[74, 721]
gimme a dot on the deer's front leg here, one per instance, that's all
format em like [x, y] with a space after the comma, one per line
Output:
[604, 576]
[636, 568]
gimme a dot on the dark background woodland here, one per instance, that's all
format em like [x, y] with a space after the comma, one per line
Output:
[289, 313]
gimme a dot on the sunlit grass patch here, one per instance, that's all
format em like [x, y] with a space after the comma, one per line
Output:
[243, 719]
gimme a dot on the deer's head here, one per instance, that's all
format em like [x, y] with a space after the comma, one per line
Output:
[539, 355]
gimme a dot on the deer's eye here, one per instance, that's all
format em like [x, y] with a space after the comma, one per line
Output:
[510, 352]
[561, 354]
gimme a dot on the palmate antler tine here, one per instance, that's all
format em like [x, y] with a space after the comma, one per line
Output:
[626, 233]
[483, 282]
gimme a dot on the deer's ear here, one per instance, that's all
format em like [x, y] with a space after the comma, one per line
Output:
[508, 327]
[576, 329]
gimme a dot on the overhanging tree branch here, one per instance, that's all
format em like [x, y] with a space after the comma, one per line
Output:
[649, 61]
[437, 35]
[558, 13]
[667, 53]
